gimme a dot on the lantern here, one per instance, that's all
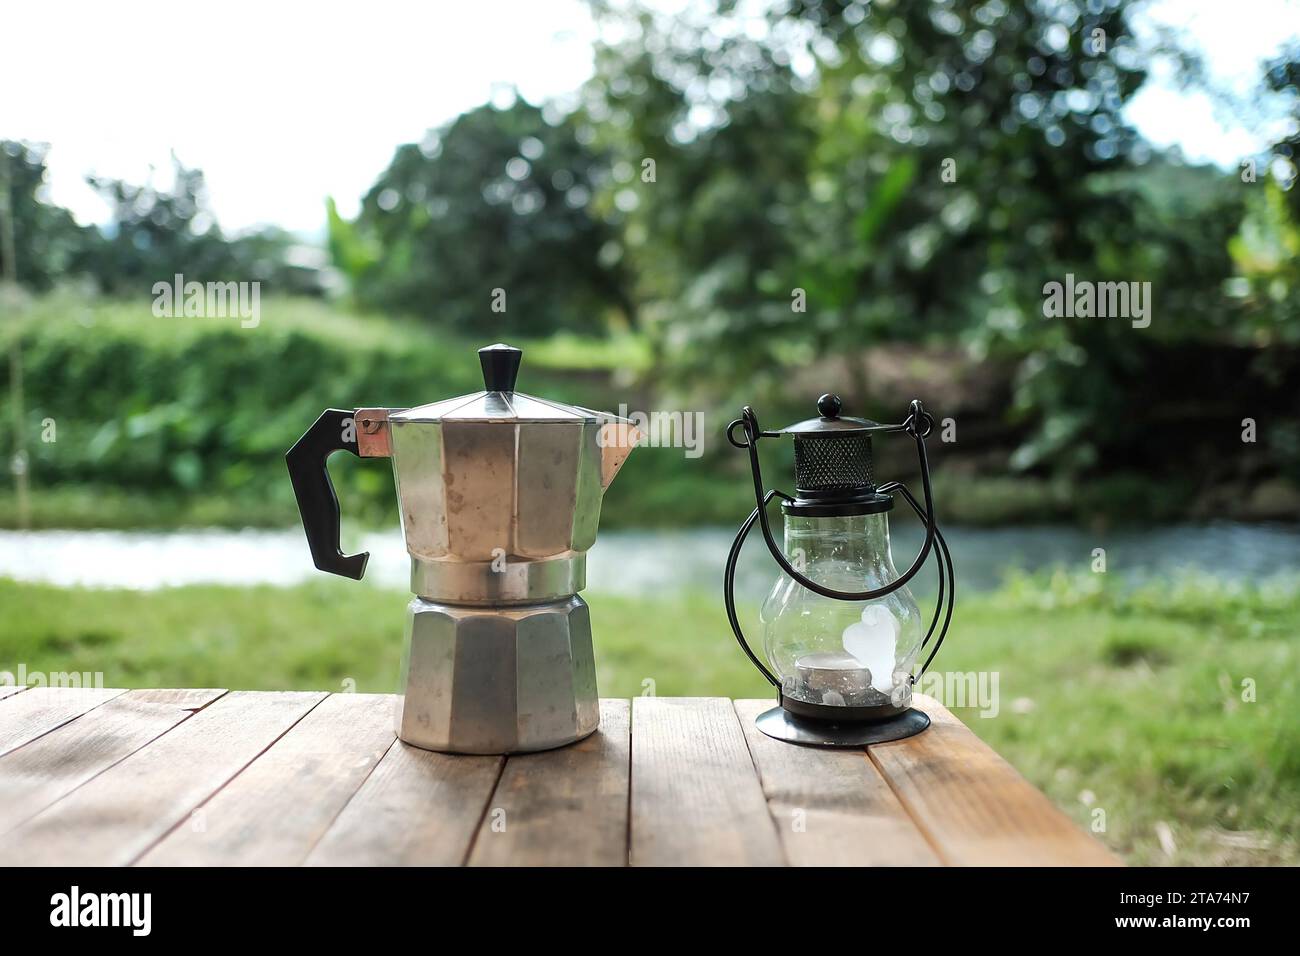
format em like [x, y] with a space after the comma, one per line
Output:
[842, 634]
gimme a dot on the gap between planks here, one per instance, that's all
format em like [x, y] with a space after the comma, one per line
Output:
[121, 813]
[279, 806]
[696, 795]
[976, 809]
[562, 807]
[415, 808]
[831, 807]
[50, 767]
[30, 714]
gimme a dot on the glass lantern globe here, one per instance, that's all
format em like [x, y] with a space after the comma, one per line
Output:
[834, 652]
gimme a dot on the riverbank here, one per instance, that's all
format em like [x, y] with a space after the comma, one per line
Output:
[675, 498]
[1169, 714]
[131, 421]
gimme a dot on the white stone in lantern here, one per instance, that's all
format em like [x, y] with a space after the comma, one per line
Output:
[873, 641]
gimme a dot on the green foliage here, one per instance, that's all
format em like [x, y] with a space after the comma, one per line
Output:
[838, 187]
[47, 240]
[154, 233]
[919, 171]
[159, 233]
[161, 422]
[166, 422]
[194, 415]
[499, 199]
[715, 234]
[351, 254]
[1282, 77]
[746, 202]
[1266, 250]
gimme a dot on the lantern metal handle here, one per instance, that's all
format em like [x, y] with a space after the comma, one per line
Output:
[918, 424]
[729, 587]
[944, 560]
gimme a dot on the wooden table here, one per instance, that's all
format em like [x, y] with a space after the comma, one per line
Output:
[209, 777]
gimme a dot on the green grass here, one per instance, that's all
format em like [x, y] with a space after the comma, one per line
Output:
[120, 509]
[1126, 702]
[1133, 704]
[77, 316]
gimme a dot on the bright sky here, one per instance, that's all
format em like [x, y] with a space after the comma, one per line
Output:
[1235, 37]
[282, 104]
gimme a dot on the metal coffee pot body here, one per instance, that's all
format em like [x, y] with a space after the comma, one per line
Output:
[500, 497]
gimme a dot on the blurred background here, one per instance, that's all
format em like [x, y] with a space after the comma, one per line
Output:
[690, 206]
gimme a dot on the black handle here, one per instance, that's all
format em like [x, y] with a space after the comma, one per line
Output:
[335, 430]
[947, 595]
[500, 364]
[729, 586]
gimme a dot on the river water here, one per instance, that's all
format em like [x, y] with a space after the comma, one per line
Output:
[642, 562]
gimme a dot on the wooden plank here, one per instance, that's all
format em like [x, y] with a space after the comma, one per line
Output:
[564, 807]
[38, 710]
[831, 807]
[417, 808]
[696, 799]
[273, 813]
[114, 818]
[8, 690]
[973, 805]
[34, 776]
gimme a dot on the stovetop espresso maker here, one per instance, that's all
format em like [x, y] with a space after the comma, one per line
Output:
[500, 496]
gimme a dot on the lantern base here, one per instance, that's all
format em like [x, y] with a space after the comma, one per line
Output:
[780, 724]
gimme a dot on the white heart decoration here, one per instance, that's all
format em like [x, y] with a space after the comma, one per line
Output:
[872, 641]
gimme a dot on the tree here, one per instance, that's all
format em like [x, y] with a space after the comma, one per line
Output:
[716, 232]
[158, 232]
[918, 172]
[48, 241]
[490, 223]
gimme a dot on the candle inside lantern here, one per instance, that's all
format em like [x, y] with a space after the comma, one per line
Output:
[832, 677]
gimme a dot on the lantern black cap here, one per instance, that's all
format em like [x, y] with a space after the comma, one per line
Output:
[500, 364]
[832, 464]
